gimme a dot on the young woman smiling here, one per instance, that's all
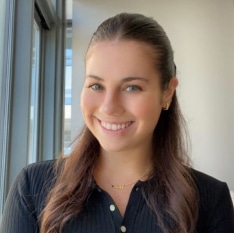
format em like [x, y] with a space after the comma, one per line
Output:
[129, 171]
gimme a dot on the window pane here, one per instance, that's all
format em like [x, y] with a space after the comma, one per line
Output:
[68, 92]
[34, 98]
[68, 80]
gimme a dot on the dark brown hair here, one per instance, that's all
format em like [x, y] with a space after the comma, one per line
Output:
[171, 192]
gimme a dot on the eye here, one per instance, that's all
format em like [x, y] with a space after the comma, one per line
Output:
[133, 88]
[95, 87]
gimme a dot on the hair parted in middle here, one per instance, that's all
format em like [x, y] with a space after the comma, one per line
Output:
[171, 192]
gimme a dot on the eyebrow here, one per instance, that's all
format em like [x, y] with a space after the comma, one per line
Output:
[127, 79]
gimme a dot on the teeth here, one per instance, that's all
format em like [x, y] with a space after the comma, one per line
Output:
[115, 127]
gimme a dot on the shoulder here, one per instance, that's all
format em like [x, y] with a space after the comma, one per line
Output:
[35, 177]
[206, 182]
[209, 188]
[43, 168]
[39, 170]
[215, 205]
[27, 195]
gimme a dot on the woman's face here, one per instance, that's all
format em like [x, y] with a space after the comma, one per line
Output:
[121, 100]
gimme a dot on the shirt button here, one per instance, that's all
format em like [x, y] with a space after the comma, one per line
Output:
[123, 229]
[112, 207]
[137, 189]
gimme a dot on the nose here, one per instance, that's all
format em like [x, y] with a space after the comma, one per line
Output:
[112, 104]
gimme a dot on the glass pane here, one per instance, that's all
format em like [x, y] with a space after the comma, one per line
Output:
[34, 98]
[68, 80]
[68, 97]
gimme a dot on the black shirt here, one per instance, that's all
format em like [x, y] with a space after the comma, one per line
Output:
[27, 198]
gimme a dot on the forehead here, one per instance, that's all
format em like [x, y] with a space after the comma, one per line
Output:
[120, 55]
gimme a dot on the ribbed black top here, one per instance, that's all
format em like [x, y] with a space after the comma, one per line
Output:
[27, 197]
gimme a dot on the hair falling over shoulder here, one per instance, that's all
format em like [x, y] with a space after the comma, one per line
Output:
[172, 186]
[67, 197]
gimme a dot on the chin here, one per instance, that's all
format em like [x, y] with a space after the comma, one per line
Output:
[113, 149]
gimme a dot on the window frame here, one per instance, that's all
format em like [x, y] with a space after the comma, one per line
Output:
[5, 100]
[15, 103]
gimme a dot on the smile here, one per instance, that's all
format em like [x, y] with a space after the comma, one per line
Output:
[115, 127]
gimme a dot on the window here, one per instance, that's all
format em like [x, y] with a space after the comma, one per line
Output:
[31, 126]
[34, 94]
[68, 80]
[68, 92]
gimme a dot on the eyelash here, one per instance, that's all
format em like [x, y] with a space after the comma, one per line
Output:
[92, 85]
[98, 87]
[135, 87]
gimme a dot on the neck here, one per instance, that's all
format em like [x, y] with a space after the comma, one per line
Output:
[122, 168]
[127, 160]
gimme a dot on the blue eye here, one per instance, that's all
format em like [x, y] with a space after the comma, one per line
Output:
[132, 88]
[96, 87]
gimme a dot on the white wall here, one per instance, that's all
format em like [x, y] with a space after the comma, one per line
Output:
[202, 35]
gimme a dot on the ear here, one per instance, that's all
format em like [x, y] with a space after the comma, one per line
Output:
[169, 92]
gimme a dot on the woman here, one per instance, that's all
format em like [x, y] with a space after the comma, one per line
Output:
[129, 171]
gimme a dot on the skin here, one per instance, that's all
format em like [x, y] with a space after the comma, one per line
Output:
[121, 102]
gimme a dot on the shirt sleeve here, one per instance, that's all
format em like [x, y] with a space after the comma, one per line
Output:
[221, 215]
[19, 212]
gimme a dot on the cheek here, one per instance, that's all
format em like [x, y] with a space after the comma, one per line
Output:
[148, 111]
[85, 102]
[88, 102]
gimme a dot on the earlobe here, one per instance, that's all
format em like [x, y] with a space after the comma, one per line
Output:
[166, 107]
